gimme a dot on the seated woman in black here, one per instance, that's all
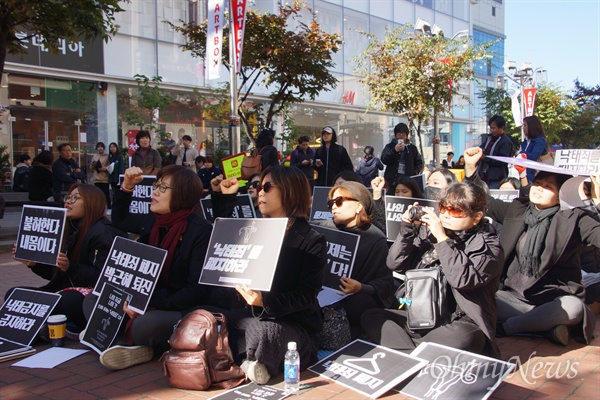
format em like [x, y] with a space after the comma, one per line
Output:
[460, 243]
[541, 281]
[89, 238]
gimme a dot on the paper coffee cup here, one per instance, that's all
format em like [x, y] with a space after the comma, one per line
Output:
[57, 329]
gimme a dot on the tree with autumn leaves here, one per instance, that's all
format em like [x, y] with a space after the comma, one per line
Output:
[417, 75]
[291, 58]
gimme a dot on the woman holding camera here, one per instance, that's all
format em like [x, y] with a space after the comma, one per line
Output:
[469, 256]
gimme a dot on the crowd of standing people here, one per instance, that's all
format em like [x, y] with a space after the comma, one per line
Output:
[524, 279]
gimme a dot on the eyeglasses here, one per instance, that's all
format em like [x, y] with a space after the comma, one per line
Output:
[338, 201]
[72, 199]
[161, 187]
[266, 187]
[453, 212]
[255, 184]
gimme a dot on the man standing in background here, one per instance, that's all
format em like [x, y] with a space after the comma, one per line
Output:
[186, 154]
[401, 157]
[497, 144]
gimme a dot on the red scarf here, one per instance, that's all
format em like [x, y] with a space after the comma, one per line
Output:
[176, 222]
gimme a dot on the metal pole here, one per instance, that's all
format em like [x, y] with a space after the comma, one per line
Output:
[12, 150]
[78, 125]
[234, 122]
[46, 146]
[436, 139]
[522, 108]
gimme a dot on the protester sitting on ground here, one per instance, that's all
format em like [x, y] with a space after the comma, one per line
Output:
[437, 180]
[404, 187]
[371, 283]
[541, 282]
[145, 157]
[510, 184]
[459, 242]
[179, 229]
[290, 311]
[40, 178]
[88, 240]
[346, 176]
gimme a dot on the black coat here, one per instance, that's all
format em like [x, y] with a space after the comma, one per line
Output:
[182, 291]
[269, 156]
[40, 183]
[334, 161]
[472, 269]
[298, 278]
[64, 175]
[497, 170]
[298, 156]
[391, 158]
[92, 255]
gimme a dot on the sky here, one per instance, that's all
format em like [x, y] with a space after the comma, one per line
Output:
[562, 36]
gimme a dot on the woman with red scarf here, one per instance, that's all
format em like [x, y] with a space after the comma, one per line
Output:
[184, 233]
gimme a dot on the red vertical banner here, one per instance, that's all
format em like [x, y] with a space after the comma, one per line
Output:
[529, 98]
[131, 144]
[238, 12]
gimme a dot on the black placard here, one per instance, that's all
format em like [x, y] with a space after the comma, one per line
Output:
[341, 253]
[40, 234]
[504, 195]
[243, 209]
[133, 267]
[455, 374]
[367, 368]
[23, 314]
[319, 210]
[139, 208]
[107, 316]
[243, 252]
[395, 207]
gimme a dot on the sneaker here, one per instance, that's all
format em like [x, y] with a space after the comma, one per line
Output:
[121, 357]
[559, 335]
[256, 372]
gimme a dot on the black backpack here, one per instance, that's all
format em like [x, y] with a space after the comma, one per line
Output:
[21, 179]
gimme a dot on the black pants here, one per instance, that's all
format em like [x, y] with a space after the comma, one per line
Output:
[104, 188]
[388, 328]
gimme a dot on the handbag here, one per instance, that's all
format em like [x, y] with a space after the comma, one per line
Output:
[110, 168]
[547, 158]
[251, 164]
[425, 299]
[335, 332]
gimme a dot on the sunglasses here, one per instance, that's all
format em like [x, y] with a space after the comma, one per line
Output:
[254, 184]
[338, 201]
[453, 212]
[266, 187]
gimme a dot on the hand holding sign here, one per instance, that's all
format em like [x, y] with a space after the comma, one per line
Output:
[62, 262]
[252, 297]
[130, 313]
[132, 176]
[595, 178]
[349, 285]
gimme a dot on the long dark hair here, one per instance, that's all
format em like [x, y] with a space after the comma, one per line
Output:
[295, 190]
[94, 206]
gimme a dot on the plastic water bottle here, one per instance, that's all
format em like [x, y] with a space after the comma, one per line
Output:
[291, 369]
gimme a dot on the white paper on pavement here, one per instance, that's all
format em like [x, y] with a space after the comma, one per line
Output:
[328, 296]
[49, 358]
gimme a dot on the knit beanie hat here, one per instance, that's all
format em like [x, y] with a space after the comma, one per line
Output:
[360, 192]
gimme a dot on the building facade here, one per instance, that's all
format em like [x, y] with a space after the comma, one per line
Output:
[87, 92]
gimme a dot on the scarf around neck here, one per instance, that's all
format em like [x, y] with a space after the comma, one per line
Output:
[176, 224]
[537, 224]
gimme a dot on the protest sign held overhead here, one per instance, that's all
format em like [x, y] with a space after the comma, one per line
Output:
[243, 209]
[395, 207]
[139, 209]
[341, 252]
[40, 234]
[523, 162]
[504, 195]
[107, 316]
[243, 252]
[367, 368]
[580, 159]
[133, 267]
[455, 374]
[232, 165]
[23, 314]
[319, 210]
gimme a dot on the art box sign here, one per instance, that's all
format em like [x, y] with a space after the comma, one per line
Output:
[40, 234]
[133, 267]
[243, 252]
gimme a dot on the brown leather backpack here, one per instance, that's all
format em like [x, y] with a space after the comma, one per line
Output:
[251, 164]
[200, 356]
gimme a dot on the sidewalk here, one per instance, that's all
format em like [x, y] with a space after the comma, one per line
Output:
[547, 371]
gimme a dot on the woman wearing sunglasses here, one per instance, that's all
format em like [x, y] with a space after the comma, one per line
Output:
[179, 229]
[462, 245]
[371, 283]
[290, 311]
[89, 238]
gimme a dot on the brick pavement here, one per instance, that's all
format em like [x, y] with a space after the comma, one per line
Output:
[547, 371]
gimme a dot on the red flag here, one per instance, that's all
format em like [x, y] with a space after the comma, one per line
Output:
[238, 8]
[529, 99]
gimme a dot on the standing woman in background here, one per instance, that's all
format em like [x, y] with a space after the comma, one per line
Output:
[369, 166]
[145, 157]
[534, 145]
[118, 166]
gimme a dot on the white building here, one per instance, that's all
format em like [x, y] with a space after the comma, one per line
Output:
[87, 87]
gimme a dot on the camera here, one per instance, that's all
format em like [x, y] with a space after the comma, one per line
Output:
[415, 213]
